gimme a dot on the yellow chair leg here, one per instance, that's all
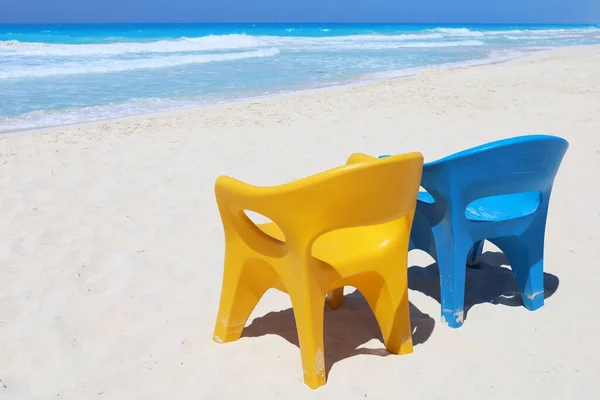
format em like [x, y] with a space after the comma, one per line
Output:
[240, 293]
[399, 337]
[308, 312]
[391, 309]
[335, 298]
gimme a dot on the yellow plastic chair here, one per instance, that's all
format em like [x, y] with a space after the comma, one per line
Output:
[347, 226]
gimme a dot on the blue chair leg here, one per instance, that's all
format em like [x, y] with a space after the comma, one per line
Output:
[451, 263]
[532, 284]
[526, 257]
[421, 236]
[474, 257]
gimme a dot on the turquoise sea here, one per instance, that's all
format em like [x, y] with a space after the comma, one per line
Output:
[61, 74]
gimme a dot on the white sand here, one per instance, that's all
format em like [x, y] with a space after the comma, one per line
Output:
[111, 247]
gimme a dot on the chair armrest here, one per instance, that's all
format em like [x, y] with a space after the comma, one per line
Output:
[236, 193]
[359, 158]
[233, 197]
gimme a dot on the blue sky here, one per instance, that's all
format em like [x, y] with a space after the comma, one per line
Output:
[468, 11]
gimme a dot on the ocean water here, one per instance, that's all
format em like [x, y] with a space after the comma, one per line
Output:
[61, 74]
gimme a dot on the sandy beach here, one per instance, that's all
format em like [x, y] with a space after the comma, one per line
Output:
[111, 246]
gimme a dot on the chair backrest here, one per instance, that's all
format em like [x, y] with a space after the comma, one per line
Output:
[358, 194]
[516, 165]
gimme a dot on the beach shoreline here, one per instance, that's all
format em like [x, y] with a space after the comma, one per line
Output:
[555, 52]
[112, 246]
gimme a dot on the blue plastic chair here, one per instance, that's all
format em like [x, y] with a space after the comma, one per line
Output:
[498, 192]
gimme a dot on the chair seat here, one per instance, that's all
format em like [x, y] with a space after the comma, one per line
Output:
[497, 208]
[504, 207]
[345, 246]
[425, 197]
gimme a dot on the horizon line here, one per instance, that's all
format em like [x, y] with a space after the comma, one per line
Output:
[298, 23]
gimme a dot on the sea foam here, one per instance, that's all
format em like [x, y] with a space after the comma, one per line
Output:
[109, 66]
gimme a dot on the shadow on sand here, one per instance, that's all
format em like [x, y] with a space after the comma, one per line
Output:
[352, 325]
[492, 282]
[345, 329]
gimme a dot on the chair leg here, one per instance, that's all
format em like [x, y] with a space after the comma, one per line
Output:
[531, 282]
[452, 266]
[390, 305]
[335, 298]
[244, 283]
[308, 305]
[526, 257]
[474, 257]
[421, 235]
